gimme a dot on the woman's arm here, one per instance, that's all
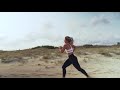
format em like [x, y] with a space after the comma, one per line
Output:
[62, 49]
[73, 47]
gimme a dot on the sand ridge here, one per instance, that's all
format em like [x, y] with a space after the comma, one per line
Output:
[36, 63]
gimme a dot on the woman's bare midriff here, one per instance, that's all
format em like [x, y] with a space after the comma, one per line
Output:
[70, 54]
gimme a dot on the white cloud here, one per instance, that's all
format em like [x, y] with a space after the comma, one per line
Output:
[3, 38]
[45, 36]
[100, 20]
[82, 32]
[83, 25]
[115, 15]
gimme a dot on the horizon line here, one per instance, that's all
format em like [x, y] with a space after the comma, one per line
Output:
[43, 46]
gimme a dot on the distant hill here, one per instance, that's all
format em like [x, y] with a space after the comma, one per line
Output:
[46, 46]
[81, 46]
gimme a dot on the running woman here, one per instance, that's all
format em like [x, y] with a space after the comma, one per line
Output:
[72, 59]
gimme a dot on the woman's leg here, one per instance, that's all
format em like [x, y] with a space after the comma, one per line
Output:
[66, 64]
[77, 66]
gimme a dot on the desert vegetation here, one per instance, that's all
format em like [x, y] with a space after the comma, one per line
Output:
[46, 61]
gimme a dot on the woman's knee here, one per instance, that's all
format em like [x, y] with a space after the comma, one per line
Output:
[63, 67]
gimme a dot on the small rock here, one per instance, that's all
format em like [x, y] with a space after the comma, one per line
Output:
[39, 64]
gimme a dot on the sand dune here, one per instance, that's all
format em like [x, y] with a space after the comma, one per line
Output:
[41, 63]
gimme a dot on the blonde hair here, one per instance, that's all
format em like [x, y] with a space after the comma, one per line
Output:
[69, 39]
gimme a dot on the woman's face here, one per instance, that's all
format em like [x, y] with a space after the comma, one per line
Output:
[71, 43]
[65, 41]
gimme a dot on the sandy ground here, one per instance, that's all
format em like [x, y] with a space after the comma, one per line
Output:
[97, 66]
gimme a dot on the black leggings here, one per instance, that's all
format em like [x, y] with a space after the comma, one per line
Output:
[73, 60]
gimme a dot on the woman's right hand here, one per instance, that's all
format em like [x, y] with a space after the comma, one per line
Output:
[60, 47]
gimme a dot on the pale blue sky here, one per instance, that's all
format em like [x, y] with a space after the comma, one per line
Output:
[20, 30]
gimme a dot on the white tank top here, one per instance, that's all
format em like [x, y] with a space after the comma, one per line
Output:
[69, 50]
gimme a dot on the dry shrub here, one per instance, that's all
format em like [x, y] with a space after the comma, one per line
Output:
[115, 52]
[105, 53]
